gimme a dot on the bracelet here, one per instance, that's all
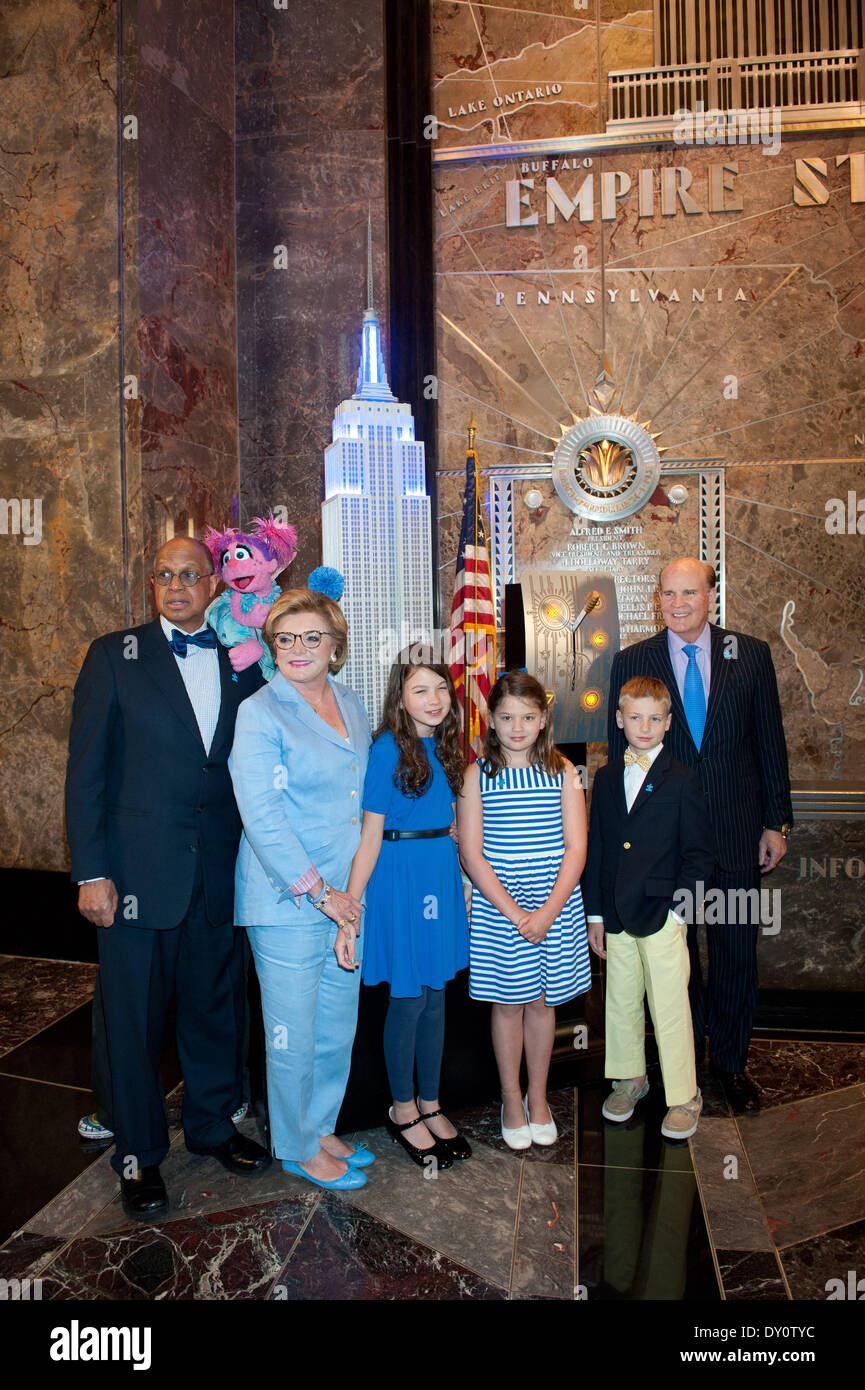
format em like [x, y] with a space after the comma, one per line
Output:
[323, 898]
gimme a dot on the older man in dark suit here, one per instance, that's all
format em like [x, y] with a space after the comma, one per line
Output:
[727, 725]
[153, 832]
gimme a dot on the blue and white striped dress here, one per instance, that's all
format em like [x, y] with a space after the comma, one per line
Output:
[523, 842]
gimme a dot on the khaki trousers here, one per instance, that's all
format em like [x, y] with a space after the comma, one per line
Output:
[656, 966]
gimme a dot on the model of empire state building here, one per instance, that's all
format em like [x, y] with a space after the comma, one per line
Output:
[375, 522]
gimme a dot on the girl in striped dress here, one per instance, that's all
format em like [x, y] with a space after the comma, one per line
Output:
[522, 838]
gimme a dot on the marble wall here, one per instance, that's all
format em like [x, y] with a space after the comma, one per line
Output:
[60, 420]
[530, 69]
[736, 335]
[311, 162]
[522, 70]
[118, 379]
[812, 934]
[179, 217]
[731, 323]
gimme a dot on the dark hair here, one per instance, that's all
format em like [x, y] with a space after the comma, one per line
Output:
[521, 686]
[193, 540]
[414, 774]
[646, 688]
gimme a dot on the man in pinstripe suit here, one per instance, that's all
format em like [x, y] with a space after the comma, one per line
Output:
[727, 725]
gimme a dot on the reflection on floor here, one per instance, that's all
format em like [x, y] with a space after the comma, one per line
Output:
[771, 1207]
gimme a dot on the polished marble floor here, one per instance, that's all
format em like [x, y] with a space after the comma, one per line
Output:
[767, 1208]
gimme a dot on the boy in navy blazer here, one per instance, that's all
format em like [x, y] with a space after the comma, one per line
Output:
[650, 844]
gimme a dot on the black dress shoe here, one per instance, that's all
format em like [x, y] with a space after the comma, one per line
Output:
[740, 1091]
[144, 1196]
[238, 1154]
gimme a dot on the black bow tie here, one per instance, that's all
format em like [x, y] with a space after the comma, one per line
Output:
[181, 640]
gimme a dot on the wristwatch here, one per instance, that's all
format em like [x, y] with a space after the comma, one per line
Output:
[782, 829]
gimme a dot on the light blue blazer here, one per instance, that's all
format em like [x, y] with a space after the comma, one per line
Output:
[299, 788]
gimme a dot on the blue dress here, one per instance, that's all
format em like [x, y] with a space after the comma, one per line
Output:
[523, 842]
[415, 929]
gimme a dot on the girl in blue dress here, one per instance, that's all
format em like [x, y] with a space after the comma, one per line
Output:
[522, 834]
[416, 932]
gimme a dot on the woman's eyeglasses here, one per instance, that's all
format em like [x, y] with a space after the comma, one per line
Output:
[285, 640]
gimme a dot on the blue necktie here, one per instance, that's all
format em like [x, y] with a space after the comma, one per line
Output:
[694, 697]
[181, 640]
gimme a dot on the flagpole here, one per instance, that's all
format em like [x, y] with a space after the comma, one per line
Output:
[467, 687]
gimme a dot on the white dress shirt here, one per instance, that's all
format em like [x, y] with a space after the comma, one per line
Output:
[635, 776]
[200, 672]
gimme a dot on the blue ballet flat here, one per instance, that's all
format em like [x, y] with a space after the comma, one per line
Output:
[350, 1178]
[360, 1157]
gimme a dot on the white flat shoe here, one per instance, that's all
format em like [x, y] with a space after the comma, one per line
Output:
[516, 1138]
[541, 1134]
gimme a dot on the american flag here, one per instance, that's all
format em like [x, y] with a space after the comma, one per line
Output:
[473, 622]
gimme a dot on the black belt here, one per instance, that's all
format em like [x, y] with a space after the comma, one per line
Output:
[416, 834]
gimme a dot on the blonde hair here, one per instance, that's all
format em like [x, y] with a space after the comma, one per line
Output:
[310, 601]
[645, 688]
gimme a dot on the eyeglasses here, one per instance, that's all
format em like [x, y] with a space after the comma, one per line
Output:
[188, 578]
[285, 640]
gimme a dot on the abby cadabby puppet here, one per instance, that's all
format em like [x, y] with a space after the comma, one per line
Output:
[248, 563]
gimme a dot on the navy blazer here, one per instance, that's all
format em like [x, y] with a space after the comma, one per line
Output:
[742, 761]
[637, 861]
[144, 800]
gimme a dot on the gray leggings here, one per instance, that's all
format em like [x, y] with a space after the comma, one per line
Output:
[415, 1028]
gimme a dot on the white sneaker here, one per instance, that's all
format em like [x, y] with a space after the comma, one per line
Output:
[241, 1113]
[90, 1128]
[541, 1134]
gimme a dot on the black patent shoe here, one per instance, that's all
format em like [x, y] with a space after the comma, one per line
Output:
[442, 1155]
[458, 1147]
[144, 1197]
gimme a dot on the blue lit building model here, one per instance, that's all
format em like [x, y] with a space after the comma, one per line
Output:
[375, 521]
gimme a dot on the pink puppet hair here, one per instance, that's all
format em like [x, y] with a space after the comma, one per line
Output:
[279, 542]
[281, 539]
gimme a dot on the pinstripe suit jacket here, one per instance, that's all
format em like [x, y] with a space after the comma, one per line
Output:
[742, 762]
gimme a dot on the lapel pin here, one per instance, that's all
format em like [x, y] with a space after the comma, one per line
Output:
[649, 787]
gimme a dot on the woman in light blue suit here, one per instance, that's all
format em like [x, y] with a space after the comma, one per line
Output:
[297, 765]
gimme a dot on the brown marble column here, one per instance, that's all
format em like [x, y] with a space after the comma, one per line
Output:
[118, 399]
[311, 159]
[59, 400]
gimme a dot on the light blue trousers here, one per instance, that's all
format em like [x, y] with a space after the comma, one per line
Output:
[309, 1005]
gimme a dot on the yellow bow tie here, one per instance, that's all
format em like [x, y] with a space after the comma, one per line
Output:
[641, 759]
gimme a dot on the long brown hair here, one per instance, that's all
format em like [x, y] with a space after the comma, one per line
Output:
[414, 774]
[544, 752]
